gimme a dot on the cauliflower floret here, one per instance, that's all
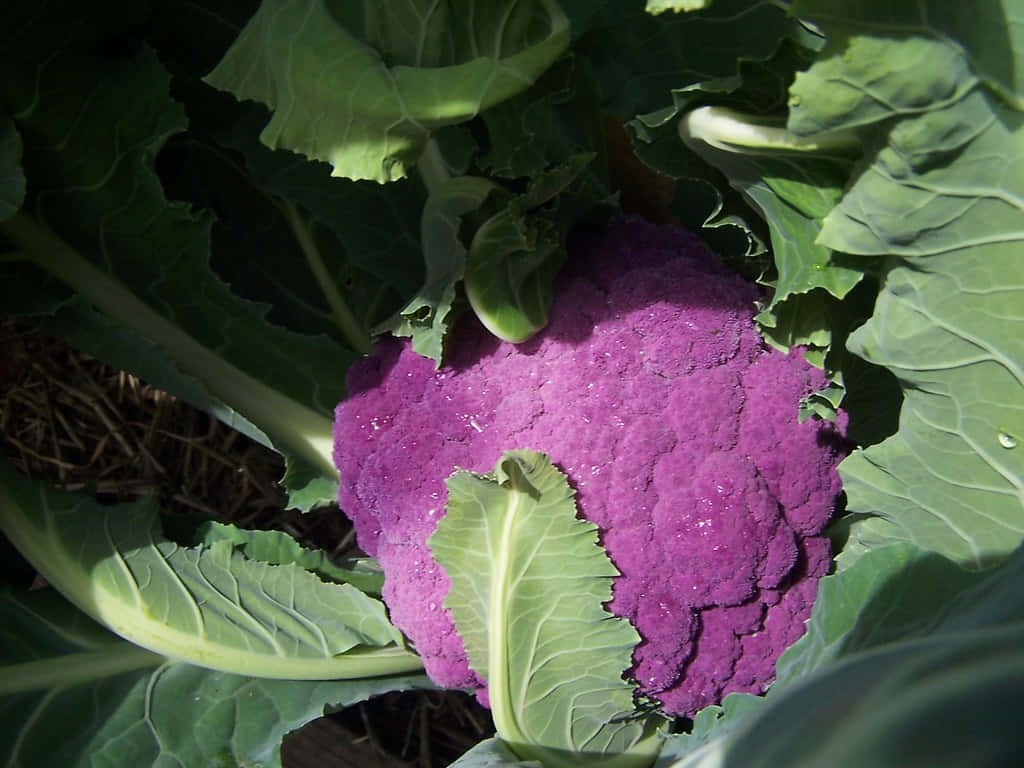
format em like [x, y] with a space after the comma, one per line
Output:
[676, 425]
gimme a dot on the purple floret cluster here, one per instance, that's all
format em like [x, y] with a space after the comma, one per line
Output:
[677, 426]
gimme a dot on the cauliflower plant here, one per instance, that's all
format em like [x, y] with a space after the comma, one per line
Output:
[677, 427]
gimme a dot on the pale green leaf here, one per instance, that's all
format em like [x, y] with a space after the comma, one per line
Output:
[72, 694]
[529, 583]
[660, 6]
[278, 548]
[209, 605]
[362, 85]
[493, 753]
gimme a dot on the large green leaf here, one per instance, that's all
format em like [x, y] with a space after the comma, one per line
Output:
[361, 85]
[209, 604]
[528, 586]
[990, 35]
[940, 202]
[93, 113]
[72, 694]
[880, 636]
[938, 702]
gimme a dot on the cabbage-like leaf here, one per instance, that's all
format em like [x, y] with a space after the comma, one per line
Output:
[940, 205]
[278, 548]
[361, 85]
[900, 611]
[990, 35]
[209, 605]
[73, 694]
[937, 702]
[528, 586]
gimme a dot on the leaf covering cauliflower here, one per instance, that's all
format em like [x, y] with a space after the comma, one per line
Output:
[675, 423]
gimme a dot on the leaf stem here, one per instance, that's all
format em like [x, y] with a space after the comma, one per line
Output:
[733, 131]
[301, 429]
[346, 321]
[432, 167]
[77, 668]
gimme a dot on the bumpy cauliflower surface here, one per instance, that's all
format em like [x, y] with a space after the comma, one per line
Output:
[676, 425]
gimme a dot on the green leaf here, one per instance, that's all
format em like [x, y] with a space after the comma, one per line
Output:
[660, 6]
[638, 59]
[493, 753]
[710, 725]
[854, 535]
[279, 548]
[943, 701]
[12, 179]
[362, 85]
[898, 641]
[72, 694]
[516, 254]
[941, 206]
[861, 79]
[208, 605]
[528, 586]
[426, 317]
[556, 118]
[97, 220]
[899, 611]
[989, 35]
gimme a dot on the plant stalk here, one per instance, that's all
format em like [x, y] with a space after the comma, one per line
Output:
[302, 430]
[346, 321]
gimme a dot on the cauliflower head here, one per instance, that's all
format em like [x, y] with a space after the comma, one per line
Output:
[674, 422]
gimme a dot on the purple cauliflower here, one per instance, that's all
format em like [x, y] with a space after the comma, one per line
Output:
[674, 422]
